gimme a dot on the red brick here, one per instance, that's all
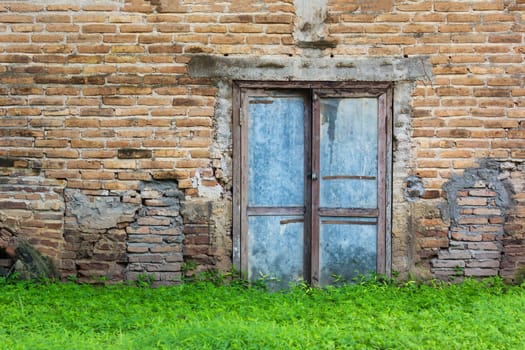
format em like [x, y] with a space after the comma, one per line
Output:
[99, 28]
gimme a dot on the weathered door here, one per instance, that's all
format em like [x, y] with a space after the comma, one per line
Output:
[347, 157]
[311, 186]
[275, 185]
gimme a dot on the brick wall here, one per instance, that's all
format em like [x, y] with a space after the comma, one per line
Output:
[96, 98]
[32, 206]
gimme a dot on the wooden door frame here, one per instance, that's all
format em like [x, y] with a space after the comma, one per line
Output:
[383, 92]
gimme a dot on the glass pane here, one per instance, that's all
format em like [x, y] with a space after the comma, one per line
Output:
[347, 249]
[276, 151]
[348, 153]
[275, 249]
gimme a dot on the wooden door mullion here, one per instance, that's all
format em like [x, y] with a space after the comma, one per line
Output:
[315, 173]
[244, 181]
[308, 188]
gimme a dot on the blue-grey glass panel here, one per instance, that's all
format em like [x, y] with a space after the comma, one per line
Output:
[276, 151]
[275, 249]
[348, 250]
[348, 153]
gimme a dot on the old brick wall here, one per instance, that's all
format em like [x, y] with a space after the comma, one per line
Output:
[32, 207]
[100, 114]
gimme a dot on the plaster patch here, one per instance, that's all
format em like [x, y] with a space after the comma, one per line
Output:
[311, 15]
[98, 213]
[487, 175]
[414, 188]
[312, 69]
[208, 192]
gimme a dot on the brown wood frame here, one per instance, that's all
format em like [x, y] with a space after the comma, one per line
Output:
[313, 91]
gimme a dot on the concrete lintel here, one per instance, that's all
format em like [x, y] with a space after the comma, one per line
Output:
[315, 69]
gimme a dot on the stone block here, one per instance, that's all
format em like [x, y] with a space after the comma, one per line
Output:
[454, 255]
[137, 249]
[458, 245]
[445, 273]
[154, 221]
[174, 257]
[162, 202]
[174, 239]
[169, 267]
[466, 237]
[447, 263]
[197, 240]
[196, 211]
[482, 193]
[480, 229]
[164, 249]
[514, 250]
[149, 194]
[196, 229]
[434, 243]
[5, 263]
[483, 246]
[473, 220]
[138, 230]
[144, 239]
[169, 174]
[146, 258]
[483, 254]
[480, 272]
[90, 266]
[171, 211]
[472, 201]
[166, 231]
[491, 263]
[169, 277]
[195, 250]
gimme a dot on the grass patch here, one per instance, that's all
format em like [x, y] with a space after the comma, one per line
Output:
[470, 315]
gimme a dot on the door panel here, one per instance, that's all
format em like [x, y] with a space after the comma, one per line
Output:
[276, 187]
[347, 248]
[276, 249]
[348, 153]
[276, 151]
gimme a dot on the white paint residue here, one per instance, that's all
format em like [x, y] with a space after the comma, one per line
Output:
[214, 192]
[311, 15]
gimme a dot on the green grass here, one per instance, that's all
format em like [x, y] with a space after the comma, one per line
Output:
[471, 315]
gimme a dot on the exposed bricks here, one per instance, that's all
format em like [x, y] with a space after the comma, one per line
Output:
[479, 204]
[154, 239]
[32, 208]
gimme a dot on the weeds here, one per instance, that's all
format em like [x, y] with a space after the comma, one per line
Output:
[519, 279]
[374, 313]
[144, 280]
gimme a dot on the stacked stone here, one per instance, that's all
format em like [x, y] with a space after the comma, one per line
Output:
[6, 260]
[475, 246]
[5, 266]
[513, 261]
[32, 207]
[154, 243]
[95, 235]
